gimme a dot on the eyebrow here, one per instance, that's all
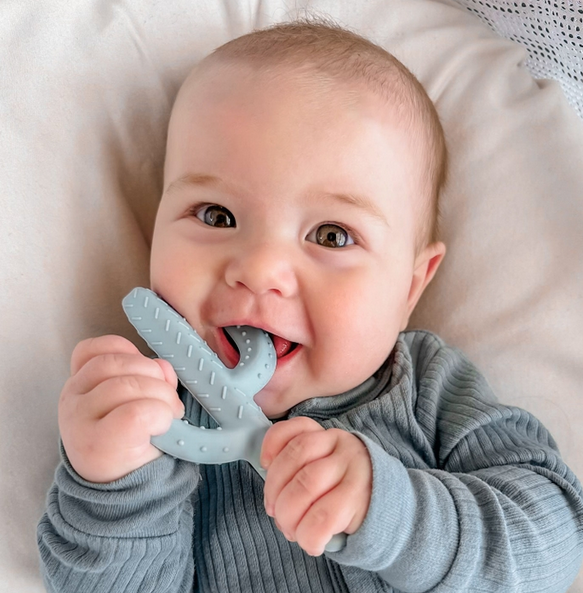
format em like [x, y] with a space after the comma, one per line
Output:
[359, 201]
[204, 180]
[198, 179]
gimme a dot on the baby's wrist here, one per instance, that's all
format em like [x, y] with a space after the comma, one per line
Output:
[122, 482]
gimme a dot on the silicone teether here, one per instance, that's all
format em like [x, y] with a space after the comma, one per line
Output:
[226, 394]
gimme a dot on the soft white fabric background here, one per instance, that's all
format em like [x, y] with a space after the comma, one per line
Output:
[85, 93]
[551, 31]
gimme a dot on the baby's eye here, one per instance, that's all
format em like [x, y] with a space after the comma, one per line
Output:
[215, 215]
[331, 235]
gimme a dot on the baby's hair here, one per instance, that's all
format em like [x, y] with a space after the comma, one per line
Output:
[319, 45]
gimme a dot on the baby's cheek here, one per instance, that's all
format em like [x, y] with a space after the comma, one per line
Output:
[347, 356]
[361, 330]
[163, 268]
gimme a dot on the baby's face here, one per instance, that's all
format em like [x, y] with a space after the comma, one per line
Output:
[294, 209]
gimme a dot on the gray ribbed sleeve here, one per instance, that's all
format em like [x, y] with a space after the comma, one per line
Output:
[134, 534]
[481, 500]
[468, 495]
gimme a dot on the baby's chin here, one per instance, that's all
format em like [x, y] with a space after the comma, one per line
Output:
[274, 403]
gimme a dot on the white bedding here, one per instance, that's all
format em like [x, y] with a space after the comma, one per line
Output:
[86, 90]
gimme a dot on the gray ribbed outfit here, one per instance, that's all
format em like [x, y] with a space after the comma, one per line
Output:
[468, 495]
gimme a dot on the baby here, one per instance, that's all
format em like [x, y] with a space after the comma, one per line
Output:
[301, 185]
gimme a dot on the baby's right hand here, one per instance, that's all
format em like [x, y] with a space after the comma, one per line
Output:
[115, 400]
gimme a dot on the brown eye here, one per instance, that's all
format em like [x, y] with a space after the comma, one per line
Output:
[333, 236]
[217, 216]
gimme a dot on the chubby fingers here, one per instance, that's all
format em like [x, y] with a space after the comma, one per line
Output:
[107, 381]
[115, 347]
[91, 347]
[287, 449]
[110, 371]
[120, 390]
[318, 482]
[297, 454]
[281, 433]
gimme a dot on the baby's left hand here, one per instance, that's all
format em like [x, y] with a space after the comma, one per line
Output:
[319, 482]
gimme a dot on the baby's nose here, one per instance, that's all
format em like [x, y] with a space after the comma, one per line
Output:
[262, 268]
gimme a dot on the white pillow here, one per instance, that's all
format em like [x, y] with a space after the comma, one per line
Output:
[86, 92]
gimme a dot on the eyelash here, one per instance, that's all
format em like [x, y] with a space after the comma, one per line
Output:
[198, 208]
[354, 236]
[347, 229]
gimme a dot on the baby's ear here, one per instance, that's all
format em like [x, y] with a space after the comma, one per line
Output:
[426, 264]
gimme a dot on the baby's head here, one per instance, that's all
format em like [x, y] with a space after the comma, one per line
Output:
[302, 173]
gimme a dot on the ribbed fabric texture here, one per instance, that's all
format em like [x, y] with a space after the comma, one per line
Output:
[468, 495]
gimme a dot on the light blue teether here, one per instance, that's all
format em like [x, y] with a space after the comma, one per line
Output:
[226, 394]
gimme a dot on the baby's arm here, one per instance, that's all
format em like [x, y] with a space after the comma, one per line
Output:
[468, 495]
[118, 514]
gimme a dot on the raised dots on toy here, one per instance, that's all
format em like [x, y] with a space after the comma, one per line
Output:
[226, 394]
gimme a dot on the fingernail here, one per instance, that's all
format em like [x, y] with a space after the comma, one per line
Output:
[268, 509]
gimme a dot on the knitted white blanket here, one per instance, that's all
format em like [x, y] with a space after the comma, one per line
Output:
[551, 31]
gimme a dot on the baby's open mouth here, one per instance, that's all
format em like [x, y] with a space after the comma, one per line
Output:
[281, 345]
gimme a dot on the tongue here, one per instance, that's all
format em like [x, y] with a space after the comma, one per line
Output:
[281, 345]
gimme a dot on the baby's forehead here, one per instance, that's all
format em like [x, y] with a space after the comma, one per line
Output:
[230, 90]
[218, 79]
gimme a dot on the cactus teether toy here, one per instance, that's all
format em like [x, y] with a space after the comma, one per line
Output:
[226, 394]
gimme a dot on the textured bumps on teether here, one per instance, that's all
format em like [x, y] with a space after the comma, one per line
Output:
[226, 394]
